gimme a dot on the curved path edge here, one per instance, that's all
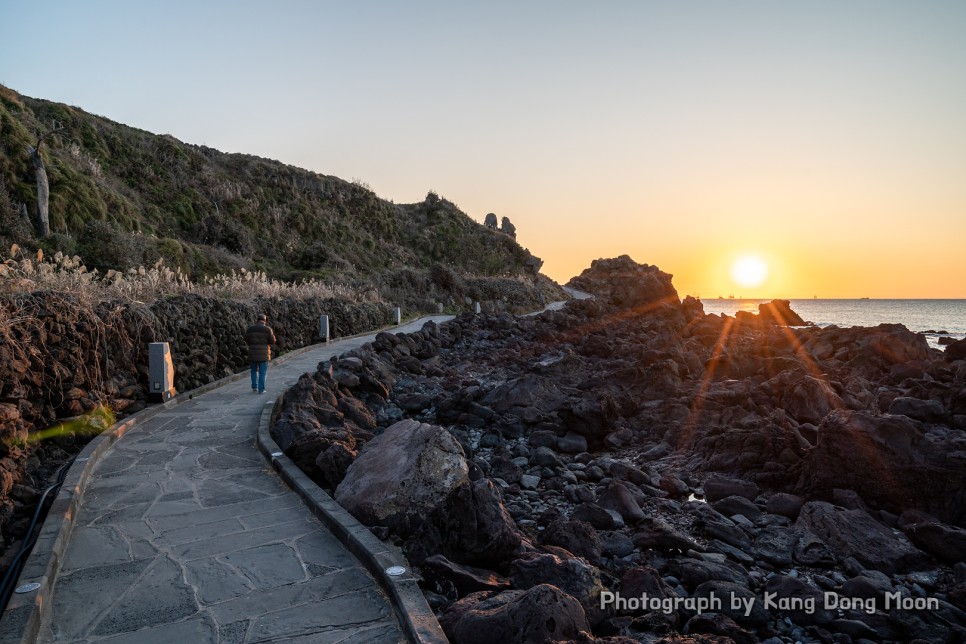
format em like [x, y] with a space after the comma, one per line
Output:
[413, 612]
[26, 613]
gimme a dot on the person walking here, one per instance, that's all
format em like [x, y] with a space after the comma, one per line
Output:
[260, 339]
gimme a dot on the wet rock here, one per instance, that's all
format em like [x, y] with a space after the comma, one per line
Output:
[544, 613]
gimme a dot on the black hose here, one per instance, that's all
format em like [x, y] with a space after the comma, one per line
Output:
[16, 565]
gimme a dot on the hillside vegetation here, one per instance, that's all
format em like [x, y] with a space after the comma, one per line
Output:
[122, 197]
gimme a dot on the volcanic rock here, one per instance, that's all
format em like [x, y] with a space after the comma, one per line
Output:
[942, 541]
[719, 487]
[466, 579]
[402, 475]
[892, 462]
[575, 536]
[854, 533]
[956, 351]
[544, 613]
[779, 312]
[573, 575]
[624, 283]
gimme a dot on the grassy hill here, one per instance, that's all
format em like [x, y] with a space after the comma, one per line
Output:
[122, 197]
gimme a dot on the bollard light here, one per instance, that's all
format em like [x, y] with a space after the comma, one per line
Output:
[324, 327]
[161, 372]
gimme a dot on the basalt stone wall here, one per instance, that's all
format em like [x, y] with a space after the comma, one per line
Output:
[62, 357]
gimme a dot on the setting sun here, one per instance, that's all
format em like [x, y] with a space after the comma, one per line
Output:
[749, 271]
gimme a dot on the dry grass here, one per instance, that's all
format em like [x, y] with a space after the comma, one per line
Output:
[24, 272]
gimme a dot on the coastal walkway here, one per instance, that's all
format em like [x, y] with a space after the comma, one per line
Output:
[181, 531]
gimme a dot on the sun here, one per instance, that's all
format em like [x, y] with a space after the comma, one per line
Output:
[749, 271]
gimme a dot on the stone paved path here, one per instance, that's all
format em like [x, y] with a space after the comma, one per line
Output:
[186, 534]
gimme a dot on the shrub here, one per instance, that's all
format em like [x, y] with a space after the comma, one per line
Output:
[103, 246]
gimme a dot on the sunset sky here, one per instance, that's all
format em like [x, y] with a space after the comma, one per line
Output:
[827, 139]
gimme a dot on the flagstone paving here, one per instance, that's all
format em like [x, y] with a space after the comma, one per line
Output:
[186, 534]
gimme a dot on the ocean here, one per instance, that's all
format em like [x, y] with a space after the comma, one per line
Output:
[934, 318]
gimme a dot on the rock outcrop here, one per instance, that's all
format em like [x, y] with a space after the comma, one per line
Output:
[830, 461]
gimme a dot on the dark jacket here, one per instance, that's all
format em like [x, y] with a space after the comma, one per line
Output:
[259, 337]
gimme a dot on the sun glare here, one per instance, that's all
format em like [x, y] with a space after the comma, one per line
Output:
[749, 271]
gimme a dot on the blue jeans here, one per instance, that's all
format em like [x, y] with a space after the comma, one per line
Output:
[259, 369]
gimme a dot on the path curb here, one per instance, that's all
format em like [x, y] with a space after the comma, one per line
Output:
[414, 614]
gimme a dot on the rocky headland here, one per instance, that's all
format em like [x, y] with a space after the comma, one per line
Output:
[606, 471]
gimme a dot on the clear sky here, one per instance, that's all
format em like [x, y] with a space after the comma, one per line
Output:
[826, 138]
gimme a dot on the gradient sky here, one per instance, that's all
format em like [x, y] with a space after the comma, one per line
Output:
[827, 138]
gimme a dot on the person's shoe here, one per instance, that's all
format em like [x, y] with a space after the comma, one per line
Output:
[262, 391]
[254, 391]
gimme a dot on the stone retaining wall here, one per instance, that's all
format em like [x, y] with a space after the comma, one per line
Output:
[62, 357]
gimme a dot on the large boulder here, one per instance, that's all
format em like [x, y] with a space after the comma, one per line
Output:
[892, 462]
[625, 283]
[543, 613]
[402, 475]
[854, 533]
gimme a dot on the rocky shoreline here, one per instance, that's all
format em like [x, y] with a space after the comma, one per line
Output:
[630, 469]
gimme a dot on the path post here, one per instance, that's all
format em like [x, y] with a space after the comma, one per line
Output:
[161, 371]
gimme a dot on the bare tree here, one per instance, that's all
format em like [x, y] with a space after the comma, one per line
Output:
[43, 186]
